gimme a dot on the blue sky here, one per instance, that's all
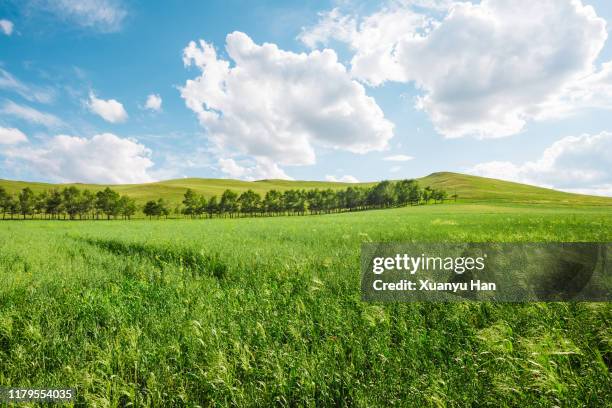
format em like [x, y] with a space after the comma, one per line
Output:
[517, 90]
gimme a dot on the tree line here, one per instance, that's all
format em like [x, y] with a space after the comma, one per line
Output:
[300, 202]
[73, 203]
[67, 203]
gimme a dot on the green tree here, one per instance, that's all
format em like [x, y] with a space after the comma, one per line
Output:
[404, 189]
[6, 200]
[27, 199]
[228, 203]
[202, 203]
[127, 207]
[427, 194]
[151, 209]
[249, 202]
[53, 204]
[72, 201]
[272, 202]
[212, 206]
[87, 203]
[3, 201]
[191, 202]
[107, 202]
[382, 195]
[163, 209]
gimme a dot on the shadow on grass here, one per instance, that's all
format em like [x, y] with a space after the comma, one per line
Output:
[199, 264]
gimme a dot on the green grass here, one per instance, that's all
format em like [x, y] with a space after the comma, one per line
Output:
[469, 188]
[267, 312]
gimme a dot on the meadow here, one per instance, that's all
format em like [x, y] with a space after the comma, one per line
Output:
[268, 312]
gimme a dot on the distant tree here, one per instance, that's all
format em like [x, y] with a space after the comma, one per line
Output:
[381, 195]
[178, 210]
[107, 202]
[249, 202]
[5, 201]
[212, 207]
[272, 202]
[415, 193]
[86, 204]
[164, 208]
[151, 209]
[191, 202]
[12, 206]
[127, 207]
[27, 200]
[53, 205]
[315, 201]
[72, 201]
[352, 198]
[329, 199]
[40, 201]
[201, 208]
[438, 195]
[228, 203]
[427, 194]
[404, 190]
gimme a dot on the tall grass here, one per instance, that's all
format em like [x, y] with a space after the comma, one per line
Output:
[261, 312]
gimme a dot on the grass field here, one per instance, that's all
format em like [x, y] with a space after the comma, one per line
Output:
[267, 311]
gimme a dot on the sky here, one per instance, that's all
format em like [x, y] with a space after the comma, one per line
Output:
[126, 91]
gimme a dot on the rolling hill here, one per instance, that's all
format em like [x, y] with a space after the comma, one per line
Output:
[468, 188]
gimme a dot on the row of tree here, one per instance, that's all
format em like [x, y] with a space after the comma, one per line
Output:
[72, 203]
[299, 202]
[69, 202]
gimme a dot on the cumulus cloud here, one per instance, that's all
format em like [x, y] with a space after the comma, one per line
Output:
[261, 169]
[29, 92]
[6, 27]
[154, 102]
[342, 179]
[374, 39]
[31, 115]
[484, 69]
[104, 158]
[9, 136]
[110, 110]
[573, 163]
[101, 15]
[398, 158]
[276, 106]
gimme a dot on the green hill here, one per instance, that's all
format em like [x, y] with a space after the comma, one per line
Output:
[474, 188]
[468, 188]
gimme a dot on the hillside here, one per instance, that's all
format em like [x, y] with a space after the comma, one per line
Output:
[468, 188]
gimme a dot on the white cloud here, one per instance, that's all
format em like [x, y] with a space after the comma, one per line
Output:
[154, 102]
[104, 158]
[573, 163]
[31, 93]
[398, 158]
[276, 106]
[395, 169]
[332, 25]
[374, 39]
[110, 110]
[6, 27]
[261, 169]
[101, 15]
[343, 179]
[484, 69]
[31, 115]
[9, 136]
